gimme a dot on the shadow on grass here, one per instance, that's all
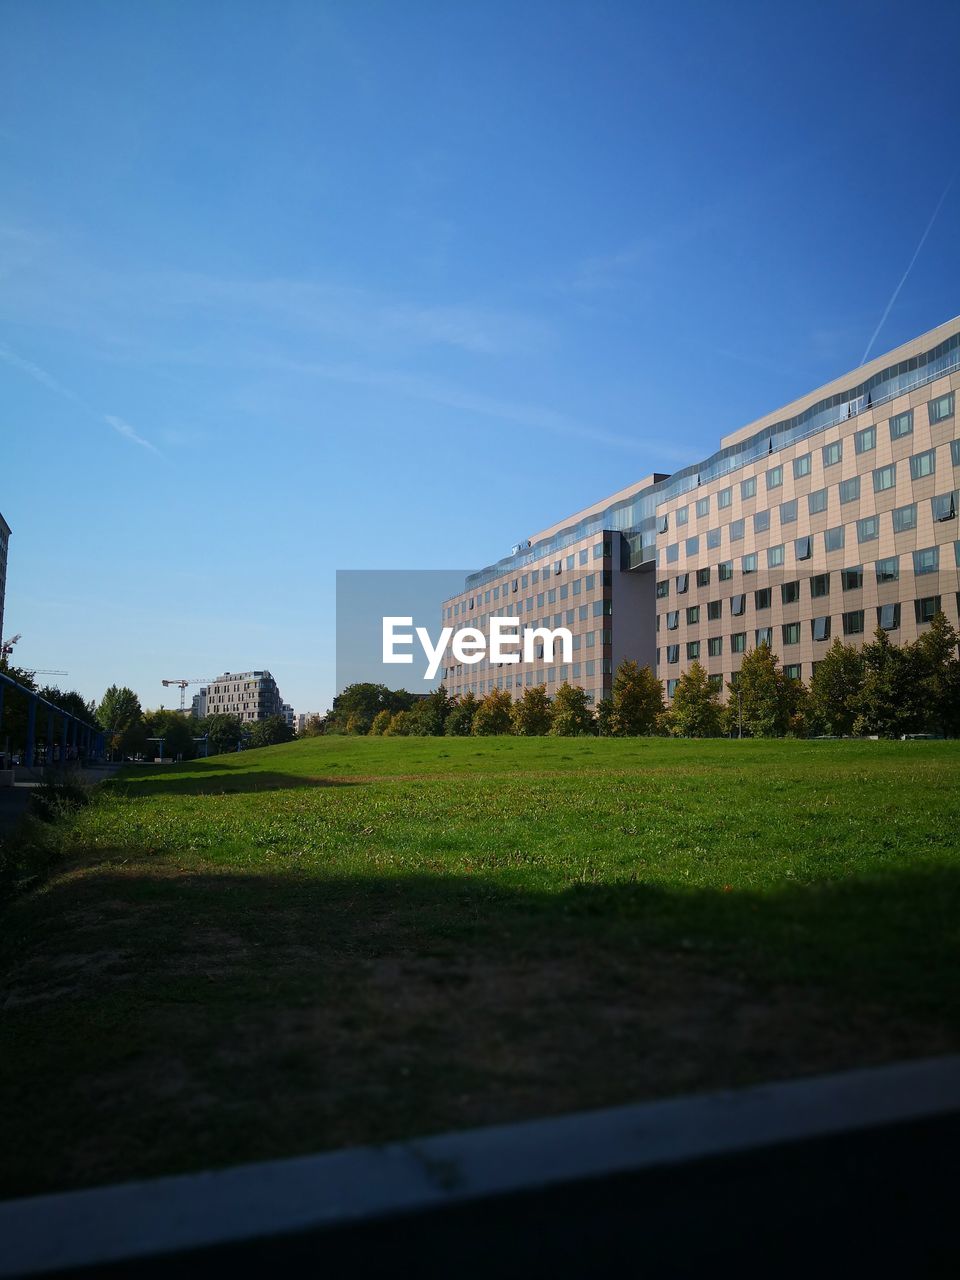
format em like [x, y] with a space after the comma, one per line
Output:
[215, 782]
[159, 1020]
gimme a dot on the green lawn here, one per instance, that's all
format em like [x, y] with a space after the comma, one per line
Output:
[351, 940]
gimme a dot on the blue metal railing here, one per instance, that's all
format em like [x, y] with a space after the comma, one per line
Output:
[76, 736]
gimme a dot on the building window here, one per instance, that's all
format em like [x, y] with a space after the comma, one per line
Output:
[888, 617]
[941, 408]
[682, 514]
[673, 653]
[673, 619]
[884, 478]
[738, 642]
[748, 487]
[853, 623]
[763, 598]
[926, 609]
[749, 563]
[888, 570]
[817, 501]
[866, 440]
[714, 610]
[703, 577]
[905, 518]
[803, 547]
[944, 507]
[868, 529]
[955, 452]
[737, 605]
[791, 633]
[850, 490]
[693, 650]
[725, 570]
[693, 545]
[764, 635]
[927, 560]
[703, 507]
[663, 588]
[820, 628]
[683, 583]
[789, 592]
[901, 425]
[923, 464]
[775, 556]
[736, 531]
[852, 579]
[819, 586]
[801, 466]
[693, 615]
[774, 478]
[792, 672]
[833, 538]
[788, 511]
[713, 539]
[761, 522]
[724, 497]
[673, 553]
[832, 453]
[715, 647]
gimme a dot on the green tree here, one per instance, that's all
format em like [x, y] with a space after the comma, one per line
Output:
[223, 733]
[269, 732]
[696, 710]
[532, 714]
[637, 700]
[381, 722]
[834, 690]
[764, 697]
[121, 716]
[428, 715]
[493, 714]
[399, 726]
[937, 652]
[892, 699]
[176, 730]
[460, 720]
[313, 727]
[353, 709]
[603, 717]
[572, 714]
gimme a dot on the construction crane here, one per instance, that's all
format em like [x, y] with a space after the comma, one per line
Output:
[6, 648]
[182, 686]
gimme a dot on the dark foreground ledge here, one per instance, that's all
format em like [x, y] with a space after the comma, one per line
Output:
[845, 1172]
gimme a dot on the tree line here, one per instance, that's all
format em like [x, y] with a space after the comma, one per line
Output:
[131, 731]
[882, 689]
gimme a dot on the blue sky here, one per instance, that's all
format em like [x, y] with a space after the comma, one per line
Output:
[289, 288]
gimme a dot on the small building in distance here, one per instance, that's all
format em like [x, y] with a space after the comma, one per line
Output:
[251, 695]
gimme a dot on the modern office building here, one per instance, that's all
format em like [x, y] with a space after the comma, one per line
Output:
[829, 517]
[5, 532]
[251, 695]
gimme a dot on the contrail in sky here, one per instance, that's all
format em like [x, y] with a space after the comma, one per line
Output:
[903, 278]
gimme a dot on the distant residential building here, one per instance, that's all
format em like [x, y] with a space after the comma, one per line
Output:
[251, 695]
[302, 718]
[4, 539]
[289, 715]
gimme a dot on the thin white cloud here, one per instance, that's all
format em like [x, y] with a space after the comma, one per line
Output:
[47, 380]
[124, 429]
[903, 278]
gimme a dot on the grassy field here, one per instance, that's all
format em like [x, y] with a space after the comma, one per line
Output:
[352, 940]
